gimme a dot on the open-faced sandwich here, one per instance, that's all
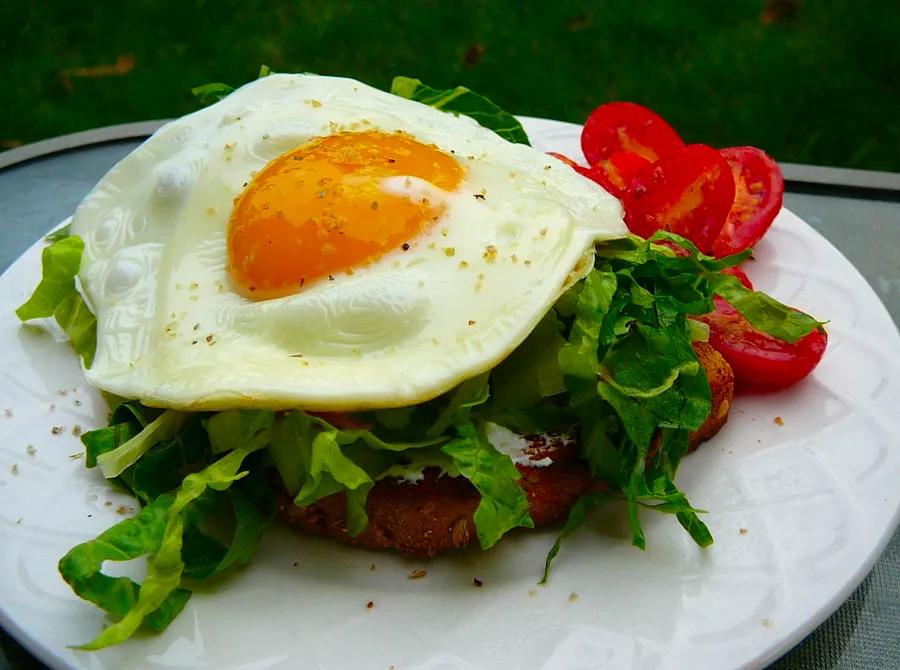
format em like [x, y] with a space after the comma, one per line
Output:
[385, 318]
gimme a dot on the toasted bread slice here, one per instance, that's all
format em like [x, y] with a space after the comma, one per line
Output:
[435, 514]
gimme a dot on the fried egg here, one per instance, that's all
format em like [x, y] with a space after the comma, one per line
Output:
[313, 242]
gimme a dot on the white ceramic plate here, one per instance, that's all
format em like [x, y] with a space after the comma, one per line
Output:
[800, 512]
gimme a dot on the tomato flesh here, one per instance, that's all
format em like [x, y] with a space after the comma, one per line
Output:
[626, 126]
[688, 192]
[759, 191]
[616, 172]
[616, 181]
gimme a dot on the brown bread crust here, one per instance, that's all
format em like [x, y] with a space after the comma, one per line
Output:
[721, 387]
[435, 514]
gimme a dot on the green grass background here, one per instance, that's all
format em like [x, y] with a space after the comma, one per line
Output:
[817, 84]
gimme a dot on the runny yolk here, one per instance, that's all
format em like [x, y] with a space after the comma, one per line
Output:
[320, 209]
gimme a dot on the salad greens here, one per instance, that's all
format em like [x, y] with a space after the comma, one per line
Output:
[503, 505]
[56, 296]
[461, 100]
[164, 427]
[613, 358]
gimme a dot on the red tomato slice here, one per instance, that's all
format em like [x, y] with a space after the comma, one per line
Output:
[626, 126]
[616, 172]
[759, 190]
[760, 361]
[596, 174]
[689, 192]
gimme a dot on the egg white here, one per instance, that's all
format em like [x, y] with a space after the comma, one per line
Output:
[172, 332]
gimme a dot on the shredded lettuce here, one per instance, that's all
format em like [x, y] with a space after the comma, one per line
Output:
[316, 459]
[127, 540]
[104, 440]
[503, 505]
[633, 378]
[220, 519]
[331, 471]
[212, 92]
[59, 265]
[704, 273]
[57, 296]
[763, 312]
[461, 100]
[645, 362]
[471, 393]
[207, 94]
[577, 515]
[238, 428]
[531, 374]
[163, 427]
[80, 326]
[158, 532]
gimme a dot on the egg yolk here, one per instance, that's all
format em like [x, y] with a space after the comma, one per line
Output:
[321, 209]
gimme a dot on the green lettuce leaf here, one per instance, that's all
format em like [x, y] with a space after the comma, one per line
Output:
[213, 92]
[645, 362]
[127, 419]
[164, 427]
[699, 331]
[330, 471]
[631, 372]
[764, 312]
[686, 283]
[531, 373]
[469, 394]
[461, 100]
[395, 418]
[59, 265]
[224, 528]
[132, 410]
[578, 359]
[503, 505]
[316, 459]
[104, 440]
[577, 515]
[165, 466]
[251, 522]
[57, 296]
[165, 565]
[291, 449]
[127, 540]
[238, 428]
[433, 420]
[80, 326]
[221, 528]
[684, 405]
